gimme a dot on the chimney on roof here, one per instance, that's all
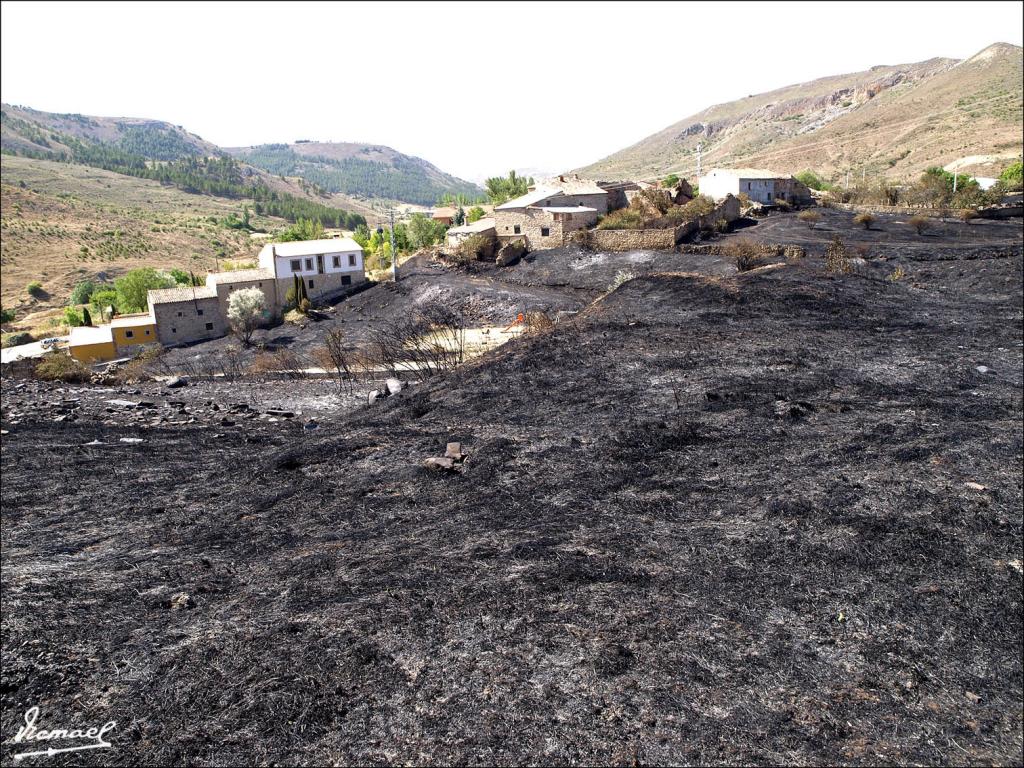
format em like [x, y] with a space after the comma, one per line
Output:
[561, 178]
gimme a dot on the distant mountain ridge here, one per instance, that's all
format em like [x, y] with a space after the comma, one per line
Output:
[365, 170]
[889, 120]
[341, 170]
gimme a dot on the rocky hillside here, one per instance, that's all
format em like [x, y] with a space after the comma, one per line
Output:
[361, 170]
[889, 120]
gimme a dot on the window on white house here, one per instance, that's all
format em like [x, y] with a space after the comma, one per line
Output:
[199, 311]
[296, 265]
[337, 261]
[309, 264]
[179, 314]
[351, 259]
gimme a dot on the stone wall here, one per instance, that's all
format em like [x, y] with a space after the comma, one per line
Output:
[181, 322]
[661, 239]
[899, 210]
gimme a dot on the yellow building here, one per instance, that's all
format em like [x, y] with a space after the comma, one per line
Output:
[132, 332]
[122, 337]
[92, 344]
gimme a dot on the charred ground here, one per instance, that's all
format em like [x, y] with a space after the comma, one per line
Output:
[765, 517]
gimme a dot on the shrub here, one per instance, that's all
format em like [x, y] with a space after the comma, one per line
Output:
[621, 277]
[811, 180]
[245, 311]
[82, 292]
[474, 214]
[62, 367]
[537, 322]
[6, 315]
[864, 219]
[837, 259]
[17, 338]
[782, 205]
[1012, 177]
[624, 218]
[670, 181]
[701, 205]
[475, 247]
[72, 317]
[722, 226]
[810, 218]
[35, 288]
[967, 214]
[919, 223]
[744, 254]
[305, 306]
[897, 274]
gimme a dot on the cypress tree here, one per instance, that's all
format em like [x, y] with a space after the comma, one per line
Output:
[86, 318]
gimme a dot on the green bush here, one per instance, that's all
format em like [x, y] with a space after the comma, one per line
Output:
[6, 315]
[624, 218]
[474, 214]
[811, 180]
[72, 317]
[62, 367]
[35, 288]
[82, 292]
[101, 300]
[133, 287]
[1012, 177]
[670, 181]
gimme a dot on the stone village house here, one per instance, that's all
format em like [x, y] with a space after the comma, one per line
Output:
[186, 314]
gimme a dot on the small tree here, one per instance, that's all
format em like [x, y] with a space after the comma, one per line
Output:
[334, 355]
[810, 218]
[670, 181]
[104, 302]
[245, 310]
[967, 215]
[919, 223]
[82, 292]
[474, 214]
[864, 219]
[35, 288]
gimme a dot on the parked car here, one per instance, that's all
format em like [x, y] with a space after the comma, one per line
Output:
[49, 343]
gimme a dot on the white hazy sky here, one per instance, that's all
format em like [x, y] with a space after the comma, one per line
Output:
[476, 88]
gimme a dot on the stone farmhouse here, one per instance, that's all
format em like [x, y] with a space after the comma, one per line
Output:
[193, 313]
[760, 186]
[549, 212]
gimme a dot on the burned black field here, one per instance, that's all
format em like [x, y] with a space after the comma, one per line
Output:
[767, 517]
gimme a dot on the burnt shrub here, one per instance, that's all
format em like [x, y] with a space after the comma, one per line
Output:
[744, 254]
[864, 219]
[62, 367]
[919, 223]
[837, 257]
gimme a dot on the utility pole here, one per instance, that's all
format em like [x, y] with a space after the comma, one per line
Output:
[394, 252]
[847, 179]
[954, 182]
[863, 173]
[700, 147]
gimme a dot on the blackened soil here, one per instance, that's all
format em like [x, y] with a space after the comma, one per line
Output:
[773, 517]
